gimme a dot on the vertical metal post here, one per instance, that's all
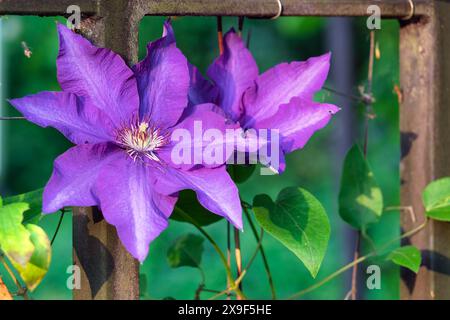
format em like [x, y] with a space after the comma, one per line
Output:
[425, 129]
[108, 271]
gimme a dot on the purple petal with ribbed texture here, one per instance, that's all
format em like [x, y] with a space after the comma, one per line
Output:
[74, 175]
[129, 201]
[232, 73]
[197, 139]
[163, 82]
[215, 190]
[200, 89]
[297, 121]
[280, 84]
[98, 74]
[73, 116]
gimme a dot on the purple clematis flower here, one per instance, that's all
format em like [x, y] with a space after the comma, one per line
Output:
[120, 120]
[279, 99]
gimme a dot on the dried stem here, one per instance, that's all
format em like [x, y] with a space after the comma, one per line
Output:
[233, 285]
[237, 253]
[244, 272]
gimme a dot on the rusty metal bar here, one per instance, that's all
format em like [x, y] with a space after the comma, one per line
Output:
[269, 8]
[108, 271]
[425, 129]
[45, 7]
[249, 8]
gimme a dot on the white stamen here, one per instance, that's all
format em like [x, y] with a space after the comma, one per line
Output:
[142, 140]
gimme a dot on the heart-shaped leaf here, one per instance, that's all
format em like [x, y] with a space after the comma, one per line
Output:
[15, 239]
[360, 197]
[34, 200]
[436, 199]
[186, 251]
[188, 203]
[407, 256]
[299, 221]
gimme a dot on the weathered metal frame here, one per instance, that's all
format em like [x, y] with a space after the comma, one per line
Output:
[109, 272]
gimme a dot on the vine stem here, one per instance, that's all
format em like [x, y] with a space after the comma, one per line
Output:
[233, 285]
[237, 236]
[261, 250]
[357, 261]
[221, 49]
[244, 272]
[238, 256]
[228, 255]
[354, 284]
[58, 226]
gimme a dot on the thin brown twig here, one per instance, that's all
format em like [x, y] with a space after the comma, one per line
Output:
[240, 25]
[345, 95]
[220, 34]
[11, 118]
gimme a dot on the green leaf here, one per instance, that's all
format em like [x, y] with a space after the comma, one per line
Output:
[188, 203]
[186, 251]
[34, 200]
[299, 221]
[14, 237]
[360, 197]
[436, 199]
[241, 173]
[408, 257]
[36, 268]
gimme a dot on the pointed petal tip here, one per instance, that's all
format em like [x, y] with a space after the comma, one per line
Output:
[168, 30]
[333, 109]
[236, 221]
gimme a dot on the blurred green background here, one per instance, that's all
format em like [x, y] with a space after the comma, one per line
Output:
[28, 151]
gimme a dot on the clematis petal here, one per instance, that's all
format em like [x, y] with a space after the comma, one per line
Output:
[163, 81]
[233, 72]
[129, 202]
[280, 84]
[168, 31]
[297, 122]
[73, 116]
[215, 190]
[199, 139]
[74, 176]
[97, 74]
[200, 89]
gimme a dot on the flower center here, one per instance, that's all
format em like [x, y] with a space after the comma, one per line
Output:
[142, 140]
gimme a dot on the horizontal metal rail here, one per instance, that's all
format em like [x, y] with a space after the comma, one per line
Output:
[248, 8]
